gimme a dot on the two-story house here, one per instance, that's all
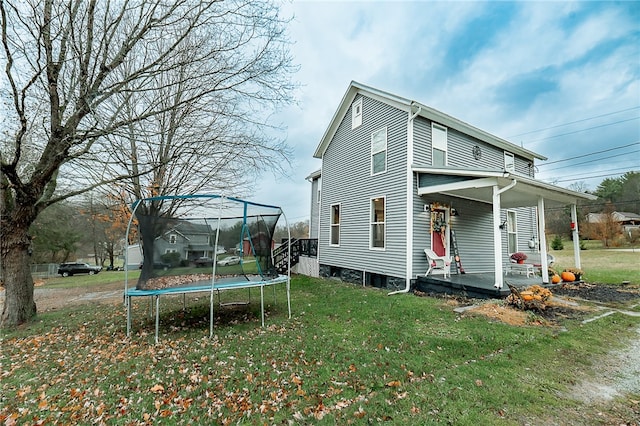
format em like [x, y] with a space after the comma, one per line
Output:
[399, 177]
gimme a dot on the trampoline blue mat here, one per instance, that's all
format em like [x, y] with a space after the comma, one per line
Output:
[205, 286]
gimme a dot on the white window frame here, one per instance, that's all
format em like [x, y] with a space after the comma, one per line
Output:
[334, 228]
[173, 238]
[356, 114]
[439, 143]
[375, 223]
[376, 151]
[509, 162]
[512, 231]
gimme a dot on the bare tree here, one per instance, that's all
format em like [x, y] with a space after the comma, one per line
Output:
[152, 97]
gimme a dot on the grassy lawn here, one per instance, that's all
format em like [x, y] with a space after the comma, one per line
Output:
[349, 355]
[601, 265]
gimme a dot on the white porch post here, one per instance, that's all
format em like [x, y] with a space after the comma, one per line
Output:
[543, 241]
[497, 239]
[576, 237]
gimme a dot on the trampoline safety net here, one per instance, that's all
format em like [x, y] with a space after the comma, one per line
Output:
[205, 237]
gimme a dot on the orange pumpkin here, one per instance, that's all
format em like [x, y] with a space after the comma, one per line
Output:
[526, 295]
[568, 276]
[555, 279]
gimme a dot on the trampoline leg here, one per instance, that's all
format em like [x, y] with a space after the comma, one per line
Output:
[211, 314]
[262, 303]
[274, 294]
[128, 300]
[184, 302]
[289, 296]
[157, 316]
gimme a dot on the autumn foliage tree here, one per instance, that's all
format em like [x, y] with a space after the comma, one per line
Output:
[604, 227]
[165, 96]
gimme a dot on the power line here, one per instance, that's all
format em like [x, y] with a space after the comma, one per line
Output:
[598, 204]
[583, 130]
[573, 122]
[592, 177]
[605, 158]
[601, 171]
[591, 153]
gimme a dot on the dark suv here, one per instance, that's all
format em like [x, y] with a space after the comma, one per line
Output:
[69, 269]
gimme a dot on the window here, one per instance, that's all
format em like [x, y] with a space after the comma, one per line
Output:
[439, 145]
[512, 229]
[356, 114]
[173, 238]
[379, 151]
[377, 223]
[509, 162]
[335, 225]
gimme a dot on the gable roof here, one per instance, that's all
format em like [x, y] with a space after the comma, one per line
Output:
[425, 111]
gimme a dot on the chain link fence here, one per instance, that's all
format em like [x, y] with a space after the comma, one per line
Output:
[44, 270]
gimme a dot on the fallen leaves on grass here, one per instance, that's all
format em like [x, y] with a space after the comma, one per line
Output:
[87, 371]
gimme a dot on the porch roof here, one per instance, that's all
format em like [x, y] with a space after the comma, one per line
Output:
[477, 185]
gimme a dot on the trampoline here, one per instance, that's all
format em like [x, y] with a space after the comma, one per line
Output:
[202, 244]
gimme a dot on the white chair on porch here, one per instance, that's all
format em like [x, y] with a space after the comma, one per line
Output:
[438, 262]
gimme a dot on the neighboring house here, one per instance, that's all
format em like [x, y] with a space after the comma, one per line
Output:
[190, 240]
[626, 220]
[398, 176]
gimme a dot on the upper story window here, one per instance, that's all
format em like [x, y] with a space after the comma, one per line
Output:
[438, 145]
[335, 225]
[356, 113]
[173, 238]
[377, 234]
[509, 162]
[379, 151]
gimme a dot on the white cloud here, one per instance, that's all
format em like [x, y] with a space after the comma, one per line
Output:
[583, 55]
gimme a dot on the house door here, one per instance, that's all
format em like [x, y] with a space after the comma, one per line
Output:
[440, 231]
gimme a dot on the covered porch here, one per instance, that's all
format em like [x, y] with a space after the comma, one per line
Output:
[499, 190]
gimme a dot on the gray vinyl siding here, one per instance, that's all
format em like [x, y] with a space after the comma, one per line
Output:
[346, 179]
[315, 208]
[460, 150]
[473, 229]
[474, 232]
[421, 235]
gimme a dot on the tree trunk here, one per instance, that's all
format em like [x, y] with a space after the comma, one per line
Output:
[19, 306]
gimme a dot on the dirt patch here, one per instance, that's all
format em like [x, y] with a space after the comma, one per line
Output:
[602, 293]
[576, 301]
[48, 299]
[556, 311]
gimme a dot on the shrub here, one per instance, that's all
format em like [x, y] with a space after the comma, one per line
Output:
[172, 259]
[556, 243]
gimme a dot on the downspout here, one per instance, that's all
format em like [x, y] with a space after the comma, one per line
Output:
[409, 206]
[497, 233]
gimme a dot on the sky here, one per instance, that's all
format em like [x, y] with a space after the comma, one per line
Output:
[561, 79]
